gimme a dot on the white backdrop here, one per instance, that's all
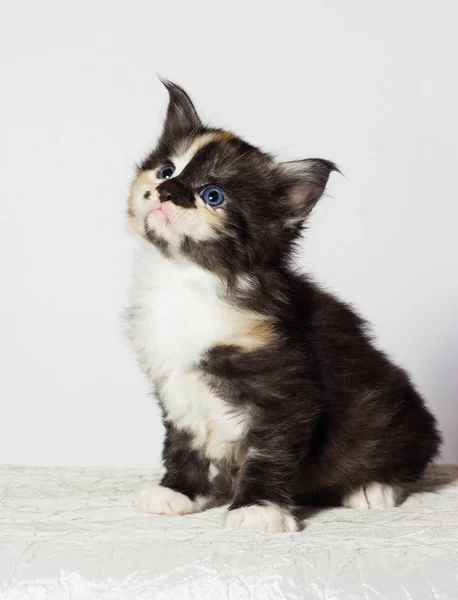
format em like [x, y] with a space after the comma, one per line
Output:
[369, 85]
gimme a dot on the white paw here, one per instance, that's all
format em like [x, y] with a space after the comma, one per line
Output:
[269, 518]
[161, 500]
[374, 495]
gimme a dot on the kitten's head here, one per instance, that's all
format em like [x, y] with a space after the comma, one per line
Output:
[206, 194]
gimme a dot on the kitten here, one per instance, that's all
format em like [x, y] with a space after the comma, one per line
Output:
[258, 372]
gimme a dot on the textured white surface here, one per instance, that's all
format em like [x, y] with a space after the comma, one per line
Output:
[74, 534]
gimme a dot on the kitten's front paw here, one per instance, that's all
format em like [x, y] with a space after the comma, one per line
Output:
[161, 500]
[257, 517]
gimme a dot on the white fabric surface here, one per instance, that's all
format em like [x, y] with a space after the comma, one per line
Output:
[73, 534]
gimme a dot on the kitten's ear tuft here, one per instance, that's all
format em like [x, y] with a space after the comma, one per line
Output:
[303, 183]
[182, 117]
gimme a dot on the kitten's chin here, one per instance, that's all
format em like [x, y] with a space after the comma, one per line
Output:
[159, 231]
[159, 222]
[169, 230]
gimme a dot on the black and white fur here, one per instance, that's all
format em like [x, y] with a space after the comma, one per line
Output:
[258, 372]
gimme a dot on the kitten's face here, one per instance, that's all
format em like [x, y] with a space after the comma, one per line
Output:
[208, 195]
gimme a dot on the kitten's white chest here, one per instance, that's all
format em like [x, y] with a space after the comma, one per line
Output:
[177, 316]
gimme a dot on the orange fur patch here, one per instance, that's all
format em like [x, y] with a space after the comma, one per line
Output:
[143, 183]
[144, 179]
[211, 138]
[256, 331]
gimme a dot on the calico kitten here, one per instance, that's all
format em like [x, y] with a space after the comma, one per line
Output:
[257, 371]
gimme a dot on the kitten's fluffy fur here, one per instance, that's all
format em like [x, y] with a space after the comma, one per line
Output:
[257, 370]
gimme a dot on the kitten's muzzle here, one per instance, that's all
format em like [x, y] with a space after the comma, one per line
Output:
[174, 191]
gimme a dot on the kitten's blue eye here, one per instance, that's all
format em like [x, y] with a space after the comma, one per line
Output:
[166, 172]
[212, 195]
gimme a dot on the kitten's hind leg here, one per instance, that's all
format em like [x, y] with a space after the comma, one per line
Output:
[374, 495]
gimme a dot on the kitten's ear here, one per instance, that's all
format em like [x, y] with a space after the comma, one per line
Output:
[182, 117]
[303, 184]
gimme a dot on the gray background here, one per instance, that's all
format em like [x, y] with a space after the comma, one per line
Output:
[371, 86]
